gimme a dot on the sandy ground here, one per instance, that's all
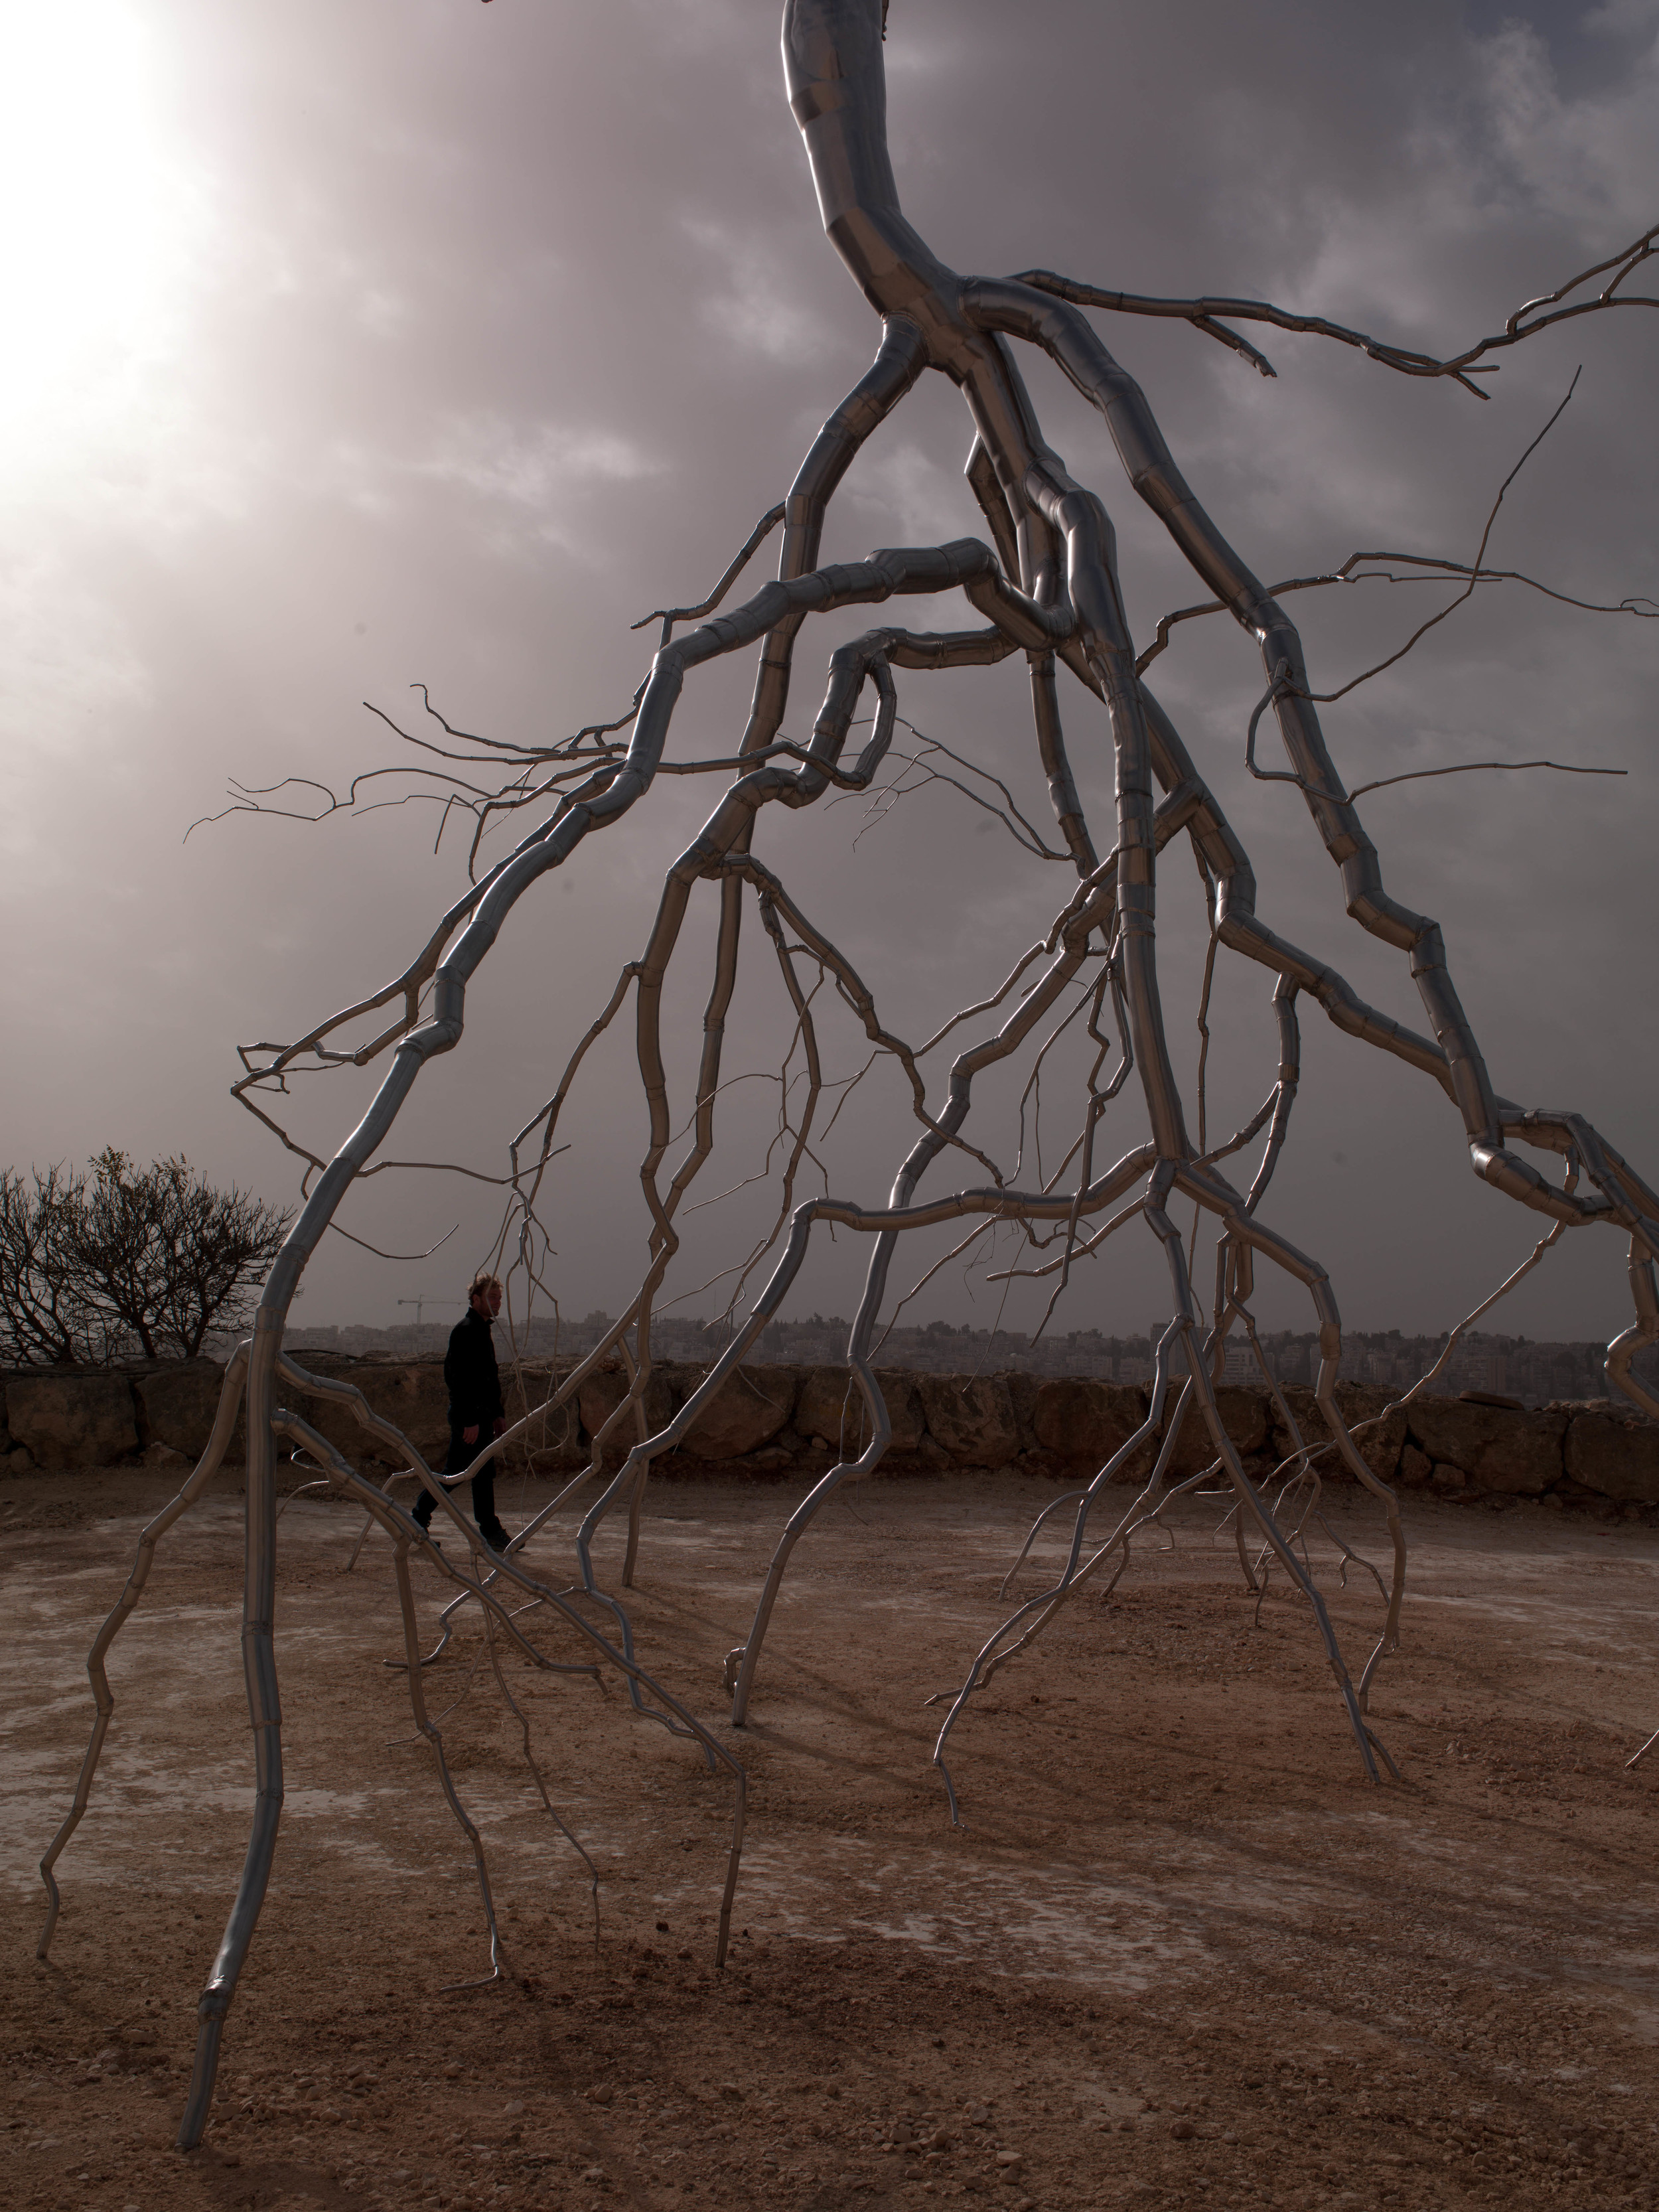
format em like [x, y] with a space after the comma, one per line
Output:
[1181, 1952]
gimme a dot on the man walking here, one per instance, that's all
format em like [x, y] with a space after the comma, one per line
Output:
[475, 1400]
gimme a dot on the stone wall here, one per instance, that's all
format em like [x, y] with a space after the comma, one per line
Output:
[776, 1421]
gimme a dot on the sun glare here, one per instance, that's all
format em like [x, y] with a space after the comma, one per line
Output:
[95, 225]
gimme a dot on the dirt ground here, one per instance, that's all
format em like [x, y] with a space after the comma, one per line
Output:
[1181, 1952]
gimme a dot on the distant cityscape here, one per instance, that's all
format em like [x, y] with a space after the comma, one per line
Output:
[1534, 1373]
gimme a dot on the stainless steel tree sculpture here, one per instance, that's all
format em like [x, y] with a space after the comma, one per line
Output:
[1046, 585]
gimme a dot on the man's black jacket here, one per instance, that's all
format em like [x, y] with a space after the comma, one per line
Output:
[475, 1386]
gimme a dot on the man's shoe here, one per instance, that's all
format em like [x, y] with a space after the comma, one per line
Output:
[497, 1537]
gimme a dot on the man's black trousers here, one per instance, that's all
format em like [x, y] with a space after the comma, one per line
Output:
[461, 1456]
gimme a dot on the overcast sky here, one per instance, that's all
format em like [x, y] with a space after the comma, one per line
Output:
[423, 342]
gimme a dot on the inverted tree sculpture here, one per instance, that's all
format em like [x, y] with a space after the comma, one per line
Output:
[1047, 586]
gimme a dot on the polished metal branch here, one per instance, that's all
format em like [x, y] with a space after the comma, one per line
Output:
[1539, 314]
[1047, 586]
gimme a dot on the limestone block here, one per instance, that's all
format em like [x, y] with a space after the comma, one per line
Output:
[828, 1405]
[554, 1443]
[66, 1421]
[1023, 1391]
[1497, 1450]
[1087, 1421]
[415, 1400]
[1379, 1438]
[749, 1408]
[1415, 1468]
[1616, 1457]
[903, 1403]
[605, 1391]
[831, 1406]
[1243, 1415]
[177, 1405]
[772, 1459]
[411, 1397]
[971, 1417]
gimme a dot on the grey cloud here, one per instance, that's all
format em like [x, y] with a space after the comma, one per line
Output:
[512, 322]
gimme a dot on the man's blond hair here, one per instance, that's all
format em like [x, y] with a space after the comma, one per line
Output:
[483, 1280]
